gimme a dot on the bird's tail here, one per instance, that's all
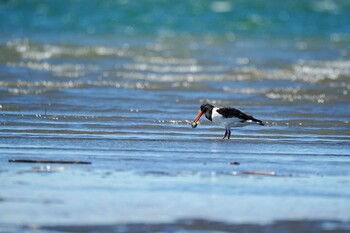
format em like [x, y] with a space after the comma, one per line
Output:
[259, 122]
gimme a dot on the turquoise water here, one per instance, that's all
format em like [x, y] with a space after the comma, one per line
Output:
[117, 83]
[243, 18]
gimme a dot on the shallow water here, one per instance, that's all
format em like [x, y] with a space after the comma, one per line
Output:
[119, 89]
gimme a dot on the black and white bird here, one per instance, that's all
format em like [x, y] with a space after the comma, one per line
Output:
[225, 116]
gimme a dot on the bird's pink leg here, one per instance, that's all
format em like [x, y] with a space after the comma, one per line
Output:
[226, 132]
[229, 133]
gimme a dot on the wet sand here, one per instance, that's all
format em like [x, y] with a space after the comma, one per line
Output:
[140, 191]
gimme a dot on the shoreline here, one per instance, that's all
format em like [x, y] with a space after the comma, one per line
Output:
[195, 225]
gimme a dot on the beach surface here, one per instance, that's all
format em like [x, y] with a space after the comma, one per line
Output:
[117, 84]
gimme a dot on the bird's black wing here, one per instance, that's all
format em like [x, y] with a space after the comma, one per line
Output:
[232, 112]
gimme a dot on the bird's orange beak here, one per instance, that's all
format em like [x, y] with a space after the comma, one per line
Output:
[198, 116]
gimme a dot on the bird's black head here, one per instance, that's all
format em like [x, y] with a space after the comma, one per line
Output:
[206, 108]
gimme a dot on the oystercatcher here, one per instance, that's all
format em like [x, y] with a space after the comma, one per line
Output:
[225, 116]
